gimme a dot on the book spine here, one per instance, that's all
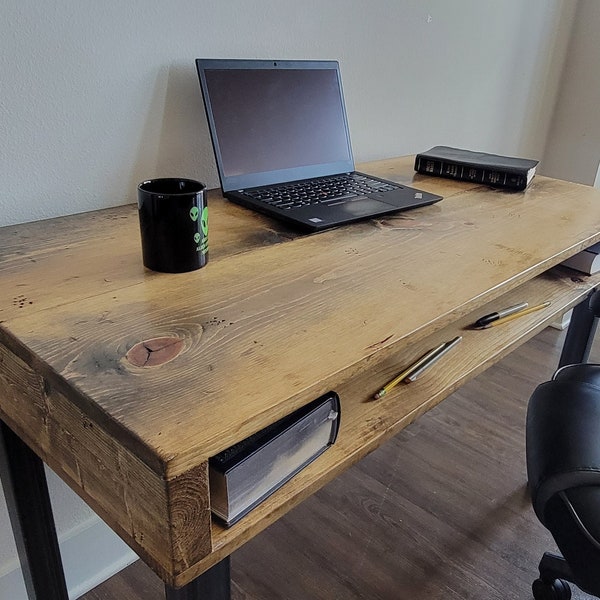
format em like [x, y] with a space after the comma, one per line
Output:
[451, 170]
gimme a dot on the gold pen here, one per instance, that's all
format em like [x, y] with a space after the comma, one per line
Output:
[516, 315]
[394, 382]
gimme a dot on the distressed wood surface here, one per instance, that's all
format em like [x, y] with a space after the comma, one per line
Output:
[440, 511]
[366, 423]
[274, 320]
[280, 308]
[166, 522]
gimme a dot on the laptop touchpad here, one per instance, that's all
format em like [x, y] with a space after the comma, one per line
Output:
[363, 206]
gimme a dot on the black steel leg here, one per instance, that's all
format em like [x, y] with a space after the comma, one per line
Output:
[26, 492]
[581, 332]
[214, 584]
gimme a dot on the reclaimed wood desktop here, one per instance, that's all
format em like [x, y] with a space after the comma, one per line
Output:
[273, 321]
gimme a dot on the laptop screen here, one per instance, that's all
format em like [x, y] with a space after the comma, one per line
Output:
[275, 121]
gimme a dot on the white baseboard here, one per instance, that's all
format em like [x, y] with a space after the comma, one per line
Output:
[91, 553]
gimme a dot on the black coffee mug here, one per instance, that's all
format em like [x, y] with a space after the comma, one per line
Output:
[173, 224]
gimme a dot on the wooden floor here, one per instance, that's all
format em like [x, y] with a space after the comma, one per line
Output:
[439, 512]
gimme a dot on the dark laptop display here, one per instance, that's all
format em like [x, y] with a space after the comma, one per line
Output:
[282, 146]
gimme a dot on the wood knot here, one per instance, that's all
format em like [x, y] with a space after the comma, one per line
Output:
[155, 352]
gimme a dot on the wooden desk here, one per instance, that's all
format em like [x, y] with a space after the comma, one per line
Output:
[274, 320]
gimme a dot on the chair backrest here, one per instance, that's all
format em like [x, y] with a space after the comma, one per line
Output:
[563, 466]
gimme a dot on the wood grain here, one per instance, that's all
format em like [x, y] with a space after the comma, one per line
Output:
[103, 252]
[438, 511]
[274, 320]
[232, 319]
[166, 522]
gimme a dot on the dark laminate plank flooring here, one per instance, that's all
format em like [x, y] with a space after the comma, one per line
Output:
[439, 512]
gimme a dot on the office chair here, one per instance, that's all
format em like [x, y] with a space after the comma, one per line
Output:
[563, 467]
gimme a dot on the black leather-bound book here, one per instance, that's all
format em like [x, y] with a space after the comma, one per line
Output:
[479, 167]
[245, 474]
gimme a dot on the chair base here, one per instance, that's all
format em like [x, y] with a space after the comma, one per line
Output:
[552, 583]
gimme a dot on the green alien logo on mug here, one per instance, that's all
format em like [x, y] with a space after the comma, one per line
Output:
[201, 240]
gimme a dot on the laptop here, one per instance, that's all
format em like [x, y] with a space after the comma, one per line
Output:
[282, 146]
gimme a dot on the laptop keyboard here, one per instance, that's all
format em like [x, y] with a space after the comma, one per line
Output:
[324, 190]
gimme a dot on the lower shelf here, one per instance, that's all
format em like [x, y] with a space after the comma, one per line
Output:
[367, 423]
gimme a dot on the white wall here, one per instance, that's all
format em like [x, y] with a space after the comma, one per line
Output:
[573, 148]
[97, 96]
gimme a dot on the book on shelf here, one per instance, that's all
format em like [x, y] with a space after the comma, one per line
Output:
[587, 261]
[479, 167]
[245, 474]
